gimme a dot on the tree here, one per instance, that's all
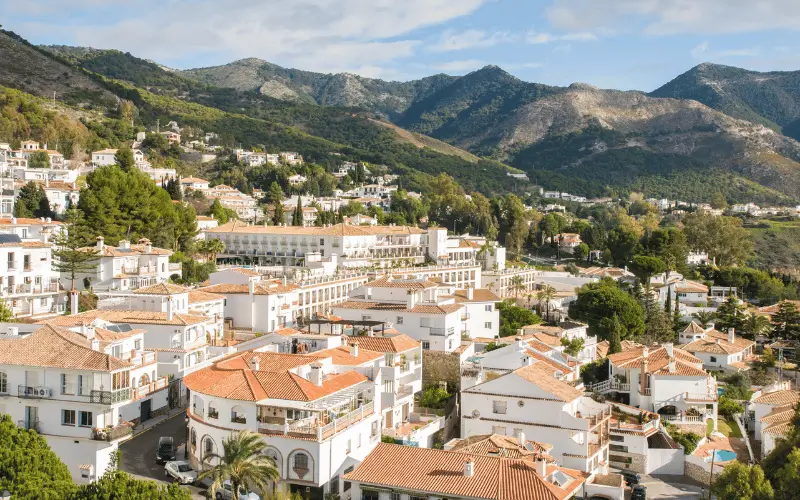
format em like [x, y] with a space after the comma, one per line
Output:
[517, 286]
[278, 215]
[545, 295]
[124, 158]
[6, 314]
[174, 188]
[32, 202]
[71, 255]
[738, 481]
[572, 346]
[718, 201]
[297, 216]
[242, 462]
[274, 194]
[755, 325]
[731, 314]
[787, 320]
[581, 252]
[220, 213]
[603, 300]
[787, 478]
[512, 318]
[39, 159]
[616, 332]
[728, 407]
[723, 238]
[658, 323]
[704, 317]
[213, 247]
[30, 469]
[645, 267]
[121, 485]
[622, 244]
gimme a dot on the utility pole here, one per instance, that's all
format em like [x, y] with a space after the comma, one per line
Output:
[158, 125]
[54, 98]
[711, 474]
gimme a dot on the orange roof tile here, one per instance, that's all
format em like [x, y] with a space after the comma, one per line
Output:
[478, 295]
[199, 296]
[161, 289]
[132, 317]
[541, 375]
[779, 398]
[394, 343]
[341, 355]
[422, 308]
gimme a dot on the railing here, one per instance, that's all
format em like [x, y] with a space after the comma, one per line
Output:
[34, 391]
[645, 392]
[110, 397]
[112, 433]
[309, 427]
[699, 396]
[464, 316]
[174, 266]
[144, 390]
[440, 332]
[610, 385]
[33, 425]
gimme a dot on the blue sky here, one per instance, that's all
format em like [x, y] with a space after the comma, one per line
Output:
[626, 44]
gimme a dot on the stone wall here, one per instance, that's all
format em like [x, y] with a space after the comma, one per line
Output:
[638, 463]
[696, 472]
[439, 366]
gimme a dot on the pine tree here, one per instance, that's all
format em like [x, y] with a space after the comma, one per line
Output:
[71, 256]
[297, 217]
[615, 334]
[124, 158]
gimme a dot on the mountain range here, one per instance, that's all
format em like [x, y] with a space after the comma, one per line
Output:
[714, 128]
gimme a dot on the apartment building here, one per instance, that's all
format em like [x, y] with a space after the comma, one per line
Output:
[532, 401]
[662, 379]
[194, 183]
[503, 281]
[718, 349]
[7, 188]
[407, 473]
[309, 215]
[260, 306]
[773, 410]
[319, 415]
[127, 266]
[105, 157]
[553, 337]
[481, 317]
[28, 285]
[63, 385]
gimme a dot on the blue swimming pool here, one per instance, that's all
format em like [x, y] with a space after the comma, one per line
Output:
[724, 456]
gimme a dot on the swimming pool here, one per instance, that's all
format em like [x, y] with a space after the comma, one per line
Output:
[724, 456]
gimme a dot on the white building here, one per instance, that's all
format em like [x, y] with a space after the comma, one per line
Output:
[774, 412]
[570, 330]
[310, 215]
[194, 183]
[532, 401]
[718, 350]
[127, 267]
[319, 414]
[62, 385]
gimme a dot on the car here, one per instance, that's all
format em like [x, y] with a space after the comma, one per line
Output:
[166, 450]
[639, 492]
[181, 471]
[630, 477]
[226, 493]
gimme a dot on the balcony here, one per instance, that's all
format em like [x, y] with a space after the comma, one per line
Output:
[464, 316]
[33, 425]
[700, 397]
[144, 390]
[610, 386]
[174, 267]
[417, 428]
[645, 392]
[34, 391]
[110, 397]
[310, 428]
[112, 433]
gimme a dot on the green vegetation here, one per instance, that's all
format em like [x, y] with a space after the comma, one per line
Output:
[599, 302]
[512, 318]
[434, 397]
[729, 428]
[777, 243]
[242, 462]
[119, 485]
[738, 481]
[688, 440]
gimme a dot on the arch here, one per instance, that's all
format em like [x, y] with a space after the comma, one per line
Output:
[193, 437]
[276, 457]
[198, 405]
[212, 410]
[144, 379]
[238, 415]
[668, 410]
[301, 465]
[207, 447]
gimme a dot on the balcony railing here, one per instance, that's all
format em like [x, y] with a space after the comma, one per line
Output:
[144, 390]
[33, 425]
[34, 391]
[110, 397]
[308, 427]
[112, 433]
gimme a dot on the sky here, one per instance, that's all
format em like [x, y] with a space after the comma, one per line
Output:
[623, 44]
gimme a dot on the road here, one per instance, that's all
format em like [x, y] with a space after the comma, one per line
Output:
[669, 487]
[139, 453]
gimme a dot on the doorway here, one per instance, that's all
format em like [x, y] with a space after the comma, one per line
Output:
[144, 412]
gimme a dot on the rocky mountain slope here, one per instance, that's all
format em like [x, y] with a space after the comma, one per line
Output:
[772, 99]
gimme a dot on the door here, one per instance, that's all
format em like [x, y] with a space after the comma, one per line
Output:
[31, 417]
[389, 415]
[405, 412]
[144, 413]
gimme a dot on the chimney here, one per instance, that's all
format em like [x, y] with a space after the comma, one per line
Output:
[13, 220]
[73, 301]
[541, 467]
[284, 280]
[469, 468]
[411, 300]
[124, 244]
[668, 347]
[251, 286]
[148, 247]
[718, 341]
[731, 335]
[170, 312]
[672, 366]
[12, 331]
[100, 243]
[643, 374]
[470, 292]
[316, 373]
[522, 438]
[354, 349]
[95, 345]
[255, 363]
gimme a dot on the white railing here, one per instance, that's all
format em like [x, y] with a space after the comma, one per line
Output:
[610, 385]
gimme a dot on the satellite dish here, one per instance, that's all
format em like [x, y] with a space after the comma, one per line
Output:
[476, 414]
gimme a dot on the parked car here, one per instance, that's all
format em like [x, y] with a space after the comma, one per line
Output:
[639, 492]
[166, 450]
[226, 493]
[631, 477]
[181, 471]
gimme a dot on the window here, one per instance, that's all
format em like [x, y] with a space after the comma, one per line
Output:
[426, 345]
[394, 496]
[713, 359]
[489, 308]
[359, 440]
[66, 386]
[499, 429]
[347, 483]
[68, 417]
[83, 388]
[517, 432]
[349, 445]
[137, 344]
[616, 438]
[450, 344]
[399, 320]
[300, 465]
[116, 351]
[3, 382]
[321, 241]
[499, 407]
[488, 325]
[369, 495]
[85, 419]
[334, 485]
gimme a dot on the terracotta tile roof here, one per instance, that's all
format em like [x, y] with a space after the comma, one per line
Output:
[192, 180]
[779, 398]
[407, 284]
[199, 296]
[716, 342]
[602, 348]
[658, 361]
[286, 332]
[234, 378]
[269, 288]
[26, 244]
[161, 289]
[423, 308]
[478, 295]
[781, 414]
[547, 339]
[132, 317]
[694, 327]
[539, 346]
[779, 428]
[775, 307]
[335, 230]
[541, 375]
[24, 221]
[441, 473]
[341, 355]
[54, 347]
[556, 365]
[109, 336]
[110, 251]
[691, 287]
[504, 446]
[394, 343]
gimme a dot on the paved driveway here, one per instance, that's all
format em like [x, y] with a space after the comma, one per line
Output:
[139, 453]
[668, 487]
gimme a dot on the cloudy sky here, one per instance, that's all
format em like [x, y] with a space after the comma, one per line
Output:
[627, 44]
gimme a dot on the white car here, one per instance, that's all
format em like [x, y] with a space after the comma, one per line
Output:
[181, 471]
[226, 493]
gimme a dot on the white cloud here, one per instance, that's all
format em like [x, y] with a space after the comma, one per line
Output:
[320, 35]
[584, 36]
[703, 52]
[699, 51]
[662, 17]
[537, 38]
[534, 37]
[452, 40]
[460, 66]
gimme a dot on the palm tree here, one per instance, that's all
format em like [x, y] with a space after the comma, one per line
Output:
[243, 463]
[517, 286]
[213, 247]
[546, 294]
[704, 317]
[757, 324]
